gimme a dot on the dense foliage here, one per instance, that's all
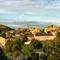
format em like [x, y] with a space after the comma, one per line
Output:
[2, 55]
[50, 49]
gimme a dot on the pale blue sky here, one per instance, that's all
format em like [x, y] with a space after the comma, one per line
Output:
[30, 10]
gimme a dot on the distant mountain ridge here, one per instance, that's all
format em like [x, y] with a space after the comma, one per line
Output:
[25, 24]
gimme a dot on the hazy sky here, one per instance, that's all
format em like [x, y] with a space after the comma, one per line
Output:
[30, 10]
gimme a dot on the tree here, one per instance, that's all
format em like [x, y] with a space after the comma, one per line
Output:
[52, 48]
[13, 46]
[27, 50]
[2, 55]
[36, 44]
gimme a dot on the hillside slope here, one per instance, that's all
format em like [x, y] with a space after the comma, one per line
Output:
[4, 28]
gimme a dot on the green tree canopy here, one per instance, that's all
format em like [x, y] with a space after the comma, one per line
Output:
[2, 55]
[36, 44]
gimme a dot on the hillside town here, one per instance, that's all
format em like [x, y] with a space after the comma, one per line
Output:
[28, 43]
[28, 34]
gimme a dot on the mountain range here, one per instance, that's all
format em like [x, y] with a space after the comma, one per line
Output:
[24, 24]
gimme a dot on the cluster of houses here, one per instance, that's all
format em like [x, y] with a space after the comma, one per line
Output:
[48, 33]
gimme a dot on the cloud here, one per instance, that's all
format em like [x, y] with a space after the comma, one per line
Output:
[29, 9]
[18, 5]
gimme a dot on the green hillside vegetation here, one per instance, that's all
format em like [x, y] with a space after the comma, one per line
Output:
[51, 49]
[4, 29]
